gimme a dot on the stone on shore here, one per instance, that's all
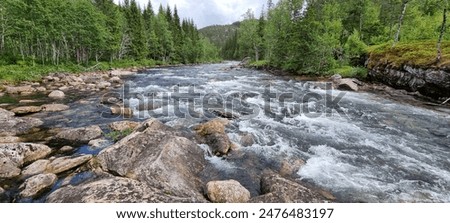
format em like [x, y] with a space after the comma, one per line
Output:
[38, 167]
[79, 136]
[26, 110]
[54, 107]
[35, 185]
[57, 95]
[64, 164]
[229, 191]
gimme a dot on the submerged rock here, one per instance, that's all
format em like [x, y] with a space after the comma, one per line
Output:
[277, 189]
[64, 164]
[229, 191]
[26, 110]
[35, 185]
[213, 134]
[57, 95]
[79, 136]
[54, 107]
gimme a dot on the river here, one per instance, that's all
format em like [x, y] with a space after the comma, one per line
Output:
[362, 147]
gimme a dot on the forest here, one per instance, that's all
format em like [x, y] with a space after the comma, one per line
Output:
[38, 36]
[335, 36]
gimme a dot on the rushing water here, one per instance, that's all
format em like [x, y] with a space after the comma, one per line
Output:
[365, 149]
[373, 150]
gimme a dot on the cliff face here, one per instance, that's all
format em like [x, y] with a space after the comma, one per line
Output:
[432, 82]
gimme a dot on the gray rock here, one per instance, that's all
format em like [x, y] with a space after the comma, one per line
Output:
[57, 95]
[66, 149]
[159, 159]
[277, 189]
[5, 114]
[22, 153]
[103, 85]
[114, 190]
[247, 140]
[13, 126]
[116, 80]
[348, 85]
[98, 143]
[35, 185]
[213, 134]
[229, 191]
[54, 107]
[35, 168]
[127, 112]
[26, 110]
[123, 125]
[79, 136]
[41, 89]
[64, 164]
[1, 191]
[9, 139]
[291, 167]
[20, 90]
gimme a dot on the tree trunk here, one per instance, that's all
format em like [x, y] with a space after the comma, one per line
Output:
[441, 36]
[400, 22]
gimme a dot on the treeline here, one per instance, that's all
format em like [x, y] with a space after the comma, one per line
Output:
[54, 32]
[316, 36]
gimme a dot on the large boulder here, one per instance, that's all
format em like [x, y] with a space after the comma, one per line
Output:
[113, 190]
[159, 159]
[277, 189]
[26, 110]
[57, 95]
[64, 164]
[213, 134]
[14, 156]
[79, 136]
[12, 126]
[229, 191]
[33, 186]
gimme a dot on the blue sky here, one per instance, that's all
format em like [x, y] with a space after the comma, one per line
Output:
[211, 12]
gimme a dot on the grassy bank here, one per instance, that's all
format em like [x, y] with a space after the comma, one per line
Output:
[16, 73]
[421, 54]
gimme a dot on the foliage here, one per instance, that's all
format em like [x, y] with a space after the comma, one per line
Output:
[41, 36]
[351, 72]
[118, 135]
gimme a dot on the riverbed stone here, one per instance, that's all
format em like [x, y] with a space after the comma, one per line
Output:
[9, 139]
[103, 85]
[36, 184]
[347, 85]
[12, 126]
[229, 191]
[57, 95]
[247, 139]
[159, 159]
[79, 136]
[127, 112]
[123, 126]
[98, 143]
[5, 114]
[116, 80]
[13, 156]
[54, 107]
[66, 149]
[213, 134]
[64, 164]
[291, 167]
[38, 167]
[26, 110]
[20, 89]
[277, 189]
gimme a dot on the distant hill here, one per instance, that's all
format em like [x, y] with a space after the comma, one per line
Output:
[219, 34]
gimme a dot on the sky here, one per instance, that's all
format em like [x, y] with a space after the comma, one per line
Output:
[211, 12]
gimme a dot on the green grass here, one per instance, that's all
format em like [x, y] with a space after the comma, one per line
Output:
[416, 54]
[118, 135]
[259, 64]
[351, 72]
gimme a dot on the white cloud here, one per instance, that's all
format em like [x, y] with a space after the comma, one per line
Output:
[211, 12]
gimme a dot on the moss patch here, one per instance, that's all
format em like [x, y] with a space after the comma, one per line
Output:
[416, 54]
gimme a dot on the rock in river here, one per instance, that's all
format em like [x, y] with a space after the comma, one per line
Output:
[26, 110]
[123, 126]
[64, 164]
[79, 136]
[57, 95]
[35, 168]
[213, 133]
[160, 160]
[11, 126]
[35, 185]
[229, 191]
[277, 189]
[54, 107]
